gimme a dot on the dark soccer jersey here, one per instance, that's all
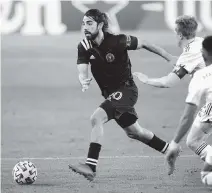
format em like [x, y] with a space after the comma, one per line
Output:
[110, 63]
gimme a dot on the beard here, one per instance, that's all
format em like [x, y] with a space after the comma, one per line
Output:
[91, 36]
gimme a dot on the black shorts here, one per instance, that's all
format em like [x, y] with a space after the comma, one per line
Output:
[119, 105]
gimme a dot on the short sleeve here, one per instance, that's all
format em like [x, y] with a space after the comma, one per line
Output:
[190, 61]
[195, 91]
[128, 42]
[83, 55]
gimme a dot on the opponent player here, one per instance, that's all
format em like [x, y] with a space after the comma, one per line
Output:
[200, 87]
[111, 68]
[189, 61]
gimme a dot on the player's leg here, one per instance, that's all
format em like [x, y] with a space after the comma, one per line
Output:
[126, 117]
[200, 130]
[206, 173]
[98, 118]
[196, 139]
[88, 170]
[146, 136]
[135, 131]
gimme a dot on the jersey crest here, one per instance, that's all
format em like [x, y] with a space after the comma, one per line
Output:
[110, 57]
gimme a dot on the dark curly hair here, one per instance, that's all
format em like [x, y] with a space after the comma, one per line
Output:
[99, 17]
[207, 44]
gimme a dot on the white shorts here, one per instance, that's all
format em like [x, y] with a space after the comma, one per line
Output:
[205, 113]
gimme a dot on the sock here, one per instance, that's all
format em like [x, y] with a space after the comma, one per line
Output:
[158, 144]
[203, 150]
[93, 155]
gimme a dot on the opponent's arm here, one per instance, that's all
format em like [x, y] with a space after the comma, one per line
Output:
[195, 93]
[164, 82]
[168, 81]
[155, 49]
[185, 122]
[184, 125]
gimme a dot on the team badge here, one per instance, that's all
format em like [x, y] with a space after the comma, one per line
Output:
[110, 57]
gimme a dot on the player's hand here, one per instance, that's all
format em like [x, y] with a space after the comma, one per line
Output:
[173, 60]
[142, 77]
[85, 82]
[172, 153]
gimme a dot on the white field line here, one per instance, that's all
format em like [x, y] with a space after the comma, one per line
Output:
[101, 157]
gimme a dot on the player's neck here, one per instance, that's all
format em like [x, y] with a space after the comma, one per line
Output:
[186, 42]
[209, 61]
[99, 39]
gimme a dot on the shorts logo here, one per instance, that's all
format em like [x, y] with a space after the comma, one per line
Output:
[116, 95]
[110, 57]
[128, 41]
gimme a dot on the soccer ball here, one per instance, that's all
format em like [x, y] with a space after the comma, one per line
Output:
[24, 172]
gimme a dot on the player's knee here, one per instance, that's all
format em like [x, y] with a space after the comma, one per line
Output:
[132, 133]
[191, 142]
[95, 120]
[126, 120]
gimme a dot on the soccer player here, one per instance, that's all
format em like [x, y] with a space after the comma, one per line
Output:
[200, 88]
[111, 68]
[188, 62]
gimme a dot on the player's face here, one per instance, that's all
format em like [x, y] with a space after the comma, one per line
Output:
[178, 36]
[90, 28]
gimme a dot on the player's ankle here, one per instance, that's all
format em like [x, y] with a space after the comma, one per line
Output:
[93, 168]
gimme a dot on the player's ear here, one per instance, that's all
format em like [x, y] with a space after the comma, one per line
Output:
[100, 25]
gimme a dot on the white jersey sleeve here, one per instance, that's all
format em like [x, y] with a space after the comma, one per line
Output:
[200, 85]
[191, 59]
[195, 91]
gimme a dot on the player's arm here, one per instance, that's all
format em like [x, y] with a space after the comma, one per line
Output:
[185, 122]
[192, 101]
[134, 43]
[168, 81]
[83, 66]
[155, 49]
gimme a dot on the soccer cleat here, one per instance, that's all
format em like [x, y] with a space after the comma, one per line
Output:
[172, 153]
[83, 169]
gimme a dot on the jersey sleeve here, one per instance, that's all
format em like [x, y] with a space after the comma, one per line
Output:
[195, 91]
[189, 61]
[128, 42]
[83, 55]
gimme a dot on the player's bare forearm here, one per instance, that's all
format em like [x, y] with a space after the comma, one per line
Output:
[155, 49]
[83, 76]
[157, 82]
[165, 82]
[185, 122]
[83, 70]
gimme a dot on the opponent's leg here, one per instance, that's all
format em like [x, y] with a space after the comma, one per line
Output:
[88, 169]
[196, 141]
[197, 136]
